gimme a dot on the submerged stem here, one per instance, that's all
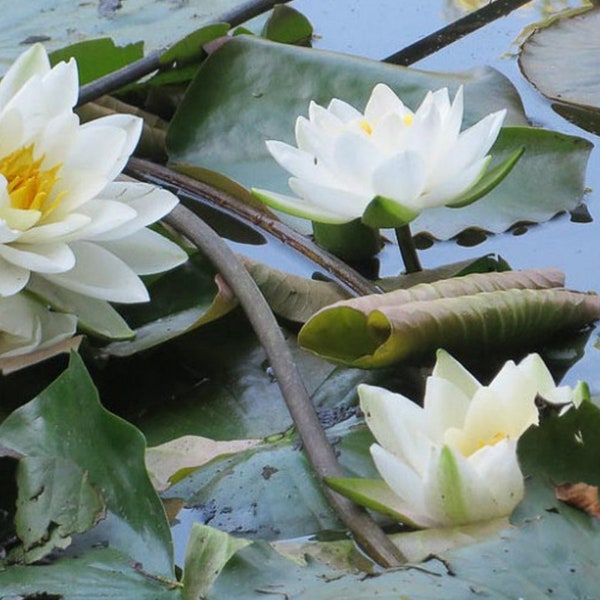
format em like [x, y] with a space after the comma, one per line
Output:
[406, 244]
[322, 457]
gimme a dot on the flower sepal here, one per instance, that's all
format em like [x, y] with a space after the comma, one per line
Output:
[386, 213]
[375, 494]
[349, 241]
[489, 180]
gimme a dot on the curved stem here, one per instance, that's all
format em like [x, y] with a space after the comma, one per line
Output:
[202, 192]
[366, 532]
[407, 249]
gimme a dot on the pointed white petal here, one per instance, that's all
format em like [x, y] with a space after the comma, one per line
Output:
[405, 483]
[447, 367]
[147, 252]
[300, 207]
[383, 100]
[445, 406]
[34, 61]
[149, 202]
[41, 258]
[103, 216]
[100, 274]
[343, 111]
[348, 205]
[355, 159]
[54, 232]
[12, 278]
[299, 163]
[498, 467]
[131, 126]
[401, 178]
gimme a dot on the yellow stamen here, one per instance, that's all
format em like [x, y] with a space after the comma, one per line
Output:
[496, 438]
[28, 185]
[366, 126]
[408, 119]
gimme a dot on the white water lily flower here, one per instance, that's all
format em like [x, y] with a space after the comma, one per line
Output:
[386, 165]
[27, 326]
[454, 461]
[62, 215]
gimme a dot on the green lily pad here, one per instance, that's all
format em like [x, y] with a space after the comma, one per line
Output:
[561, 60]
[66, 422]
[100, 574]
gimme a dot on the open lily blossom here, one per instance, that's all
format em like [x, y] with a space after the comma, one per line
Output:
[62, 215]
[27, 326]
[388, 164]
[454, 460]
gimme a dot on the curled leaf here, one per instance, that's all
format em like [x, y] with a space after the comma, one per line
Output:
[466, 315]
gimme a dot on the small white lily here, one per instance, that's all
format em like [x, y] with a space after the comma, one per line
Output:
[61, 214]
[388, 164]
[27, 326]
[454, 461]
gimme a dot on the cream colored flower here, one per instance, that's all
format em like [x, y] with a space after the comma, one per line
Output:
[454, 461]
[386, 165]
[62, 215]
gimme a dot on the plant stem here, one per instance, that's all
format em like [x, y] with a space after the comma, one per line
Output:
[148, 64]
[407, 249]
[454, 31]
[204, 193]
[367, 533]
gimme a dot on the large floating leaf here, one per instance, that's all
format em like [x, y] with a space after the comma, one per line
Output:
[66, 422]
[561, 60]
[472, 315]
[100, 574]
[240, 98]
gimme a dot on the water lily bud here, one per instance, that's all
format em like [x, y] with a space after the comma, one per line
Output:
[454, 460]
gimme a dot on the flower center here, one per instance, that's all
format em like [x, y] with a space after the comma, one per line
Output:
[495, 439]
[365, 126]
[28, 185]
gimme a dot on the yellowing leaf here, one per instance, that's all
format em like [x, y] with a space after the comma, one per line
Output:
[580, 495]
[171, 461]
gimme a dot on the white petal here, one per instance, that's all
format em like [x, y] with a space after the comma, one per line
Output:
[478, 139]
[445, 406]
[299, 163]
[301, 208]
[498, 467]
[404, 482]
[103, 216]
[131, 126]
[78, 186]
[11, 131]
[355, 160]
[314, 142]
[100, 274]
[398, 424]
[12, 278]
[54, 232]
[383, 100]
[348, 205]
[150, 203]
[401, 178]
[447, 367]
[321, 120]
[41, 258]
[533, 367]
[31, 62]
[456, 185]
[343, 111]
[7, 234]
[147, 252]
[454, 492]
[96, 149]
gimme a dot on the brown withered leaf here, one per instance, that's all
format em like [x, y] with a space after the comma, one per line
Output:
[580, 495]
